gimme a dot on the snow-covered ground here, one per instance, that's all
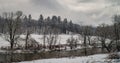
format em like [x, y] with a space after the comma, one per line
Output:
[98, 58]
[61, 39]
[3, 42]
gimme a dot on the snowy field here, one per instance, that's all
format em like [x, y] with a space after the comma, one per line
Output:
[98, 58]
[61, 39]
[3, 42]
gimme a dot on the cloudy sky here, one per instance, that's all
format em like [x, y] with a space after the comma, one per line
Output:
[88, 12]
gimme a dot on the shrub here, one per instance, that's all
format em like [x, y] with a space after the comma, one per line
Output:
[113, 56]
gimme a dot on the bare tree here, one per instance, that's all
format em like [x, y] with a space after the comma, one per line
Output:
[13, 21]
[72, 42]
[85, 33]
[52, 40]
[45, 30]
[26, 39]
[89, 34]
[104, 34]
[117, 31]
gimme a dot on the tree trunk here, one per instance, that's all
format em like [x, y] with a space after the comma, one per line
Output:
[12, 45]
[85, 49]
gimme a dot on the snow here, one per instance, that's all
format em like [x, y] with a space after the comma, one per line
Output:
[98, 58]
[3, 42]
[62, 39]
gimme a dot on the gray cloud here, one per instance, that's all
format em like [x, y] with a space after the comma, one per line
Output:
[90, 12]
[50, 4]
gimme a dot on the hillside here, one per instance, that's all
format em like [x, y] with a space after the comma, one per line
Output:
[61, 40]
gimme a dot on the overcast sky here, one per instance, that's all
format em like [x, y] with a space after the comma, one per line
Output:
[88, 12]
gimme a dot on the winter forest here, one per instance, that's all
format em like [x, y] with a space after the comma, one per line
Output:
[58, 39]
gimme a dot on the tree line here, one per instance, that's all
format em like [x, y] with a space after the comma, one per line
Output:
[39, 26]
[14, 24]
